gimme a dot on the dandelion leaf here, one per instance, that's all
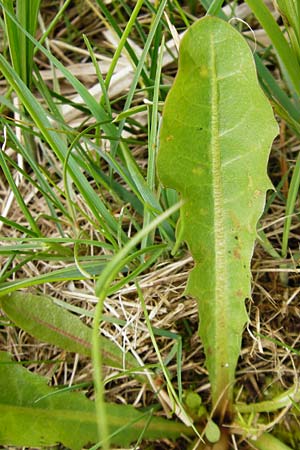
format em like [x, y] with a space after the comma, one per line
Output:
[39, 316]
[33, 414]
[215, 140]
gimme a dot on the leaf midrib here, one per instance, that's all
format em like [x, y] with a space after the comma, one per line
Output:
[221, 330]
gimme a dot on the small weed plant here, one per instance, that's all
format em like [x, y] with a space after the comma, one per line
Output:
[109, 168]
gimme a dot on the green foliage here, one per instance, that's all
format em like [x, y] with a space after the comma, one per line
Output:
[233, 117]
[20, 47]
[290, 13]
[36, 415]
[209, 155]
[102, 288]
[22, 13]
[288, 52]
[212, 432]
[43, 319]
[285, 52]
[266, 442]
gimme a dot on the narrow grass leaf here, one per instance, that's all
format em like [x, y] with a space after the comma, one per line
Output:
[215, 8]
[102, 288]
[142, 59]
[178, 407]
[113, 24]
[41, 184]
[17, 195]
[207, 4]
[150, 255]
[94, 268]
[103, 216]
[27, 14]
[12, 224]
[105, 97]
[13, 35]
[153, 139]
[53, 22]
[275, 92]
[123, 39]
[290, 206]
[96, 109]
[149, 199]
[286, 55]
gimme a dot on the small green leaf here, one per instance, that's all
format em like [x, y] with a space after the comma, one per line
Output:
[193, 400]
[36, 415]
[212, 432]
[194, 404]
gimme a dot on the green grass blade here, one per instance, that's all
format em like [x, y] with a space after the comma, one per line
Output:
[284, 51]
[27, 14]
[103, 216]
[17, 195]
[102, 288]
[53, 22]
[290, 13]
[149, 199]
[290, 206]
[20, 47]
[153, 138]
[12, 32]
[122, 42]
[153, 252]
[140, 65]
[215, 8]
[17, 226]
[95, 108]
[121, 193]
[41, 182]
[274, 91]
[105, 98]
[114, 25]
[94, 268]
[207, 4]
[174, 396]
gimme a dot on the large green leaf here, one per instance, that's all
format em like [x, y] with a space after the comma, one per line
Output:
[215, 139]
[36, 415]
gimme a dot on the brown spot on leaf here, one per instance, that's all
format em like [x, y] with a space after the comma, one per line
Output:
[257, 193]
[237, 253]
[239, 293]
